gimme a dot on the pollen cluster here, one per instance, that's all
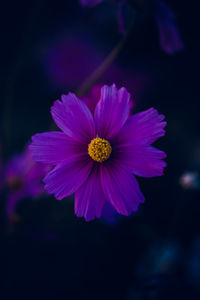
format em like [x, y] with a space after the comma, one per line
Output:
[99, 149]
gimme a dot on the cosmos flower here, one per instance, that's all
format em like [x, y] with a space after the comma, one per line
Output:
[23, 177]
[96, 158]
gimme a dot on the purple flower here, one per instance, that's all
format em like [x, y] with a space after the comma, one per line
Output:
[69, 60]
[95, 158]
[170, 39]
[23, 177]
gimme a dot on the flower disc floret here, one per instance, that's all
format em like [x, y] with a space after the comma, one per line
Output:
[99, 149]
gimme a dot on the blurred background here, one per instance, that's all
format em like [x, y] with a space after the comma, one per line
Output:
[49, 48]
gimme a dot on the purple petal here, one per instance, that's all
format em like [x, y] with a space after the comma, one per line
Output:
[121, 188]
[90, 199]
[170, 39]
[54, 147]
[23, 177]
[67, 177]
[111, 111]
[141, 129]
[74, 117]
[143, 161]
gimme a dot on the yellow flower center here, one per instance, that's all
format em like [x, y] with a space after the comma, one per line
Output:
[99, 149]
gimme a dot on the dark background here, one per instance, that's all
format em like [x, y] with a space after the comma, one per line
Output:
[51, 253]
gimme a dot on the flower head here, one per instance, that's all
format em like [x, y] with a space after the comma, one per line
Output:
[97, 157]
[23, 177]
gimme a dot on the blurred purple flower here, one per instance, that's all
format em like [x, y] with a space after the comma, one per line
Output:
[71, 60]
[23, 177]
[170, 39]
[68, 61]
[97, 157]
